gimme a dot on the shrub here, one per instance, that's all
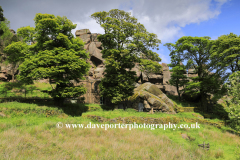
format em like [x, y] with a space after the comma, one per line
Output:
[233, 85]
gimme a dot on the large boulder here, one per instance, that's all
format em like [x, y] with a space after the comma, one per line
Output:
[82, 31]
[151, 95]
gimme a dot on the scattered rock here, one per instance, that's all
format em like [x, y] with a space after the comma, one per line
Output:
[2, 115]
[185, 136]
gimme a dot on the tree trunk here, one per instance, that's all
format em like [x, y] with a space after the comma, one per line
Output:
[13, 78]
[58, 100]
[179, 97]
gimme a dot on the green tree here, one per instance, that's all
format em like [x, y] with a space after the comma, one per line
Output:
[227, 50]
[2, 19]
[233, 86]
[56, 55]
[125, 43]
[5, 34]
[26, 34]
[197, 52]
[15, 53]
[178, 78]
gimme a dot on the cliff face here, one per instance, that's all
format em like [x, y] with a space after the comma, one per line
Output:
[93, 46]
[6, 70]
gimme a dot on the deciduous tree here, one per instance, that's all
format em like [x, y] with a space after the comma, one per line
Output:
[15, 53]
[233, 85]
[125, 43]
[227, 50]
[196, 51]
[56, 55]
[5, 34]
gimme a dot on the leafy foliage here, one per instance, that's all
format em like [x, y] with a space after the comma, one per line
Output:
[233, 85]
[6, 35]
[15, 54]
[197, 52]
[26, 34]
[56, 55]
[125, 43]
[2, 18]
[178, 79]
[226, 49]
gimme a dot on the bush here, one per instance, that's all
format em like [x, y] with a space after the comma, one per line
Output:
[233, 104]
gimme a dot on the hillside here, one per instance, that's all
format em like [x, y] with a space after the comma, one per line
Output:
[29, 131]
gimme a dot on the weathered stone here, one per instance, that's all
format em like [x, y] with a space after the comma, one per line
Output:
[97, 53]
[136, 85]
[166, 77]
[94, 51]
[99, 70]
[154, 97]
[86, 46]
[146, 105]
[171, 90]
[82, 31]
[85, 37]
[91, 73]
[155, 76]
[97, 76]
[98, 45]
[94, 37]
[2, 115]
[92, 48]
[165, 67]
[3, 77]
[161, 86]
[191, 71]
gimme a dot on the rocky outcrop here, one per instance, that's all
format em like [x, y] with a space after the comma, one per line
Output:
[93, 46]
[151, 97]
[6, 69]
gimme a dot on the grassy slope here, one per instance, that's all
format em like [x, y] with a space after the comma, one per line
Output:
[10, 89]
[27, 133]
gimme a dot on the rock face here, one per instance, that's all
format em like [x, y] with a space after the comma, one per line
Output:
[6, 72]
[93, 46]
[7, 69]
[151, 97]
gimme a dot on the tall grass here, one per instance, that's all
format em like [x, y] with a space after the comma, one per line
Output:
[26, 132]
[16, 89]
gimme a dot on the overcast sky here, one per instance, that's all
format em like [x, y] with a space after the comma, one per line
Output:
[169, 19]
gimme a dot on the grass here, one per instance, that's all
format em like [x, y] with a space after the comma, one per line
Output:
[15, 89]
[131, 112]
[28, 132]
